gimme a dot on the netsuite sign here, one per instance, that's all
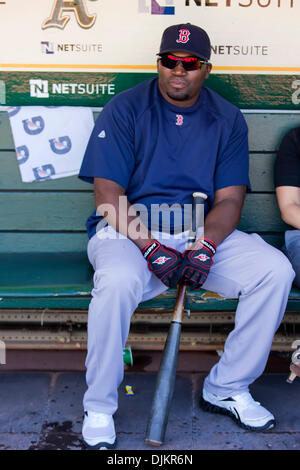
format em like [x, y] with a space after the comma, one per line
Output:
[43, 89]
[166, 7]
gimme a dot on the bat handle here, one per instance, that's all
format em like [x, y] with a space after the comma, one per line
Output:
[197, 218]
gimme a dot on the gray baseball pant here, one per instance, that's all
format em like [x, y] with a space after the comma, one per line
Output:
[245, 267]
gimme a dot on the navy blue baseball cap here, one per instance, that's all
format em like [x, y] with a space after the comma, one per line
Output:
[188, 38]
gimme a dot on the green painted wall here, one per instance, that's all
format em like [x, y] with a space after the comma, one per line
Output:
[247, 91]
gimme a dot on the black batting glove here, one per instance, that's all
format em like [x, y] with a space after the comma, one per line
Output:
[197, 263]
[164, 262]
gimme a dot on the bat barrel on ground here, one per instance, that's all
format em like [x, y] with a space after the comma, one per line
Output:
[165, 382]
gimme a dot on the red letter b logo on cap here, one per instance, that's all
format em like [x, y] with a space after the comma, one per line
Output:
[184, 36]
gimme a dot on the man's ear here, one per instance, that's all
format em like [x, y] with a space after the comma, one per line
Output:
[208, 70]
[157, 64]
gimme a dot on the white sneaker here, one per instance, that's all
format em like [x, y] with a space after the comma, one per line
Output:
[249, 414]
[98, 431]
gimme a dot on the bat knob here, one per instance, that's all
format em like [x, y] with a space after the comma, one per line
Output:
[202, 195]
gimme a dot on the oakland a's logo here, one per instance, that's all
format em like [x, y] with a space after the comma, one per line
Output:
[61, 145]
[57, 20]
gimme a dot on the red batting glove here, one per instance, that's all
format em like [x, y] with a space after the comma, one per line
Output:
[164, 262]
[197, 263]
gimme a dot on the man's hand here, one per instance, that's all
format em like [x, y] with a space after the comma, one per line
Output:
[164, 262]
[197, 262]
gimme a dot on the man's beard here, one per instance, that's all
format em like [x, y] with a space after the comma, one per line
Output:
[178, 97]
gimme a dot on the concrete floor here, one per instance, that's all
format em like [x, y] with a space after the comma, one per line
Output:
[43, 410]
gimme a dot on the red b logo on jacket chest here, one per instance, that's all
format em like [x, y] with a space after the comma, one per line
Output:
[179, 119]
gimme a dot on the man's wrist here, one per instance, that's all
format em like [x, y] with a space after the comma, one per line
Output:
[148, 249]
[143, 243]
[207, 243]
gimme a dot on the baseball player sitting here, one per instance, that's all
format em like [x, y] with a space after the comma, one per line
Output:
[157, 143]
[287, 183]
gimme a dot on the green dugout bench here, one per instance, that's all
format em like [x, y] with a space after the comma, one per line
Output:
[46, 279]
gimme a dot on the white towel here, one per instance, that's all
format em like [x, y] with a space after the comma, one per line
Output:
[50, 141]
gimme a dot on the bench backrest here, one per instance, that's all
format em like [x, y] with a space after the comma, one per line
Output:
[50, 216]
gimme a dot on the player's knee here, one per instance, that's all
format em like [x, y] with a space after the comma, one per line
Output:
[281, 268]
[287, 271]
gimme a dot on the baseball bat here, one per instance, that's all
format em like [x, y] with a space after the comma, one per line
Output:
[165, 382]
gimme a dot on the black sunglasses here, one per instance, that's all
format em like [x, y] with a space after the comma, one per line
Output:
[188, 63]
